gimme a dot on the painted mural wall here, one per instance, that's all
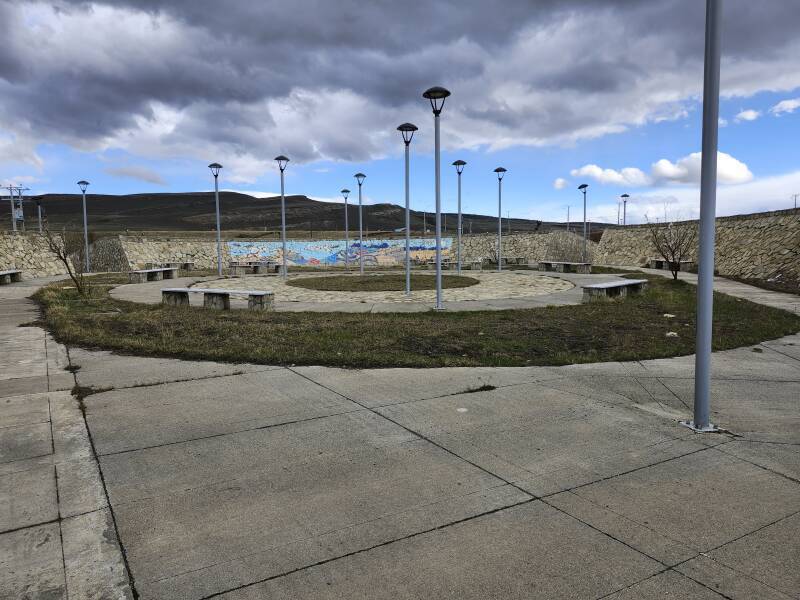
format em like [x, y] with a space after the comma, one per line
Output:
[332, 252]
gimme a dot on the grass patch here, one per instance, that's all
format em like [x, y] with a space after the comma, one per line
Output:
[629, 329]
[379, 283]
[612, 270]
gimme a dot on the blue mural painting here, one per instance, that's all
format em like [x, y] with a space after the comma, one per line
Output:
[332, 252]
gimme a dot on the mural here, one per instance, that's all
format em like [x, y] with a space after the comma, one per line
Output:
[332, 252]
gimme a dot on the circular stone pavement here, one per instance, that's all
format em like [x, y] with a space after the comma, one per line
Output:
[491, 286]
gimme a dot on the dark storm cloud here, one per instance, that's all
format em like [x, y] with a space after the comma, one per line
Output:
[164, 77]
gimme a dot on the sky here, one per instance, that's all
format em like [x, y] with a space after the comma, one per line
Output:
[140, 95]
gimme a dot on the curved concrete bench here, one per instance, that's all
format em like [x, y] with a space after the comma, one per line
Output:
[565, 267]
[218, 298]
[612, 289]
[157, 274]
[10, 276]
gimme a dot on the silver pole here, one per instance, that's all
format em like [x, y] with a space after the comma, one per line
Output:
[39, 214]
[283, 227]
[219, 238]
[360, 234]
[499, 224]
[437, 178]
[346, 237]
[85, 235]
[618, 207]
[584, 225]
[458, 251]
[568, 219]
[624, 212]
[708, 199]
[408, 225]
[13, 214]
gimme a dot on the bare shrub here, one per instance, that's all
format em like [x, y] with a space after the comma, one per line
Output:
[68, 247]
[674, 241]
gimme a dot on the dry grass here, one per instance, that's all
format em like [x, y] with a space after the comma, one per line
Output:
[379, 282]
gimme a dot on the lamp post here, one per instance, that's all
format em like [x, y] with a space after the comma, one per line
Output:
[407, 130]
[83, 185]
[582, 188]
[436, 96]
[360, 177]
[11, 189]
[39, 214]
[567, 218]
[500, 174]
[459, 165]
[215, 168]
[345, 193]
[624, 208]
[282, 161]
[708, 200]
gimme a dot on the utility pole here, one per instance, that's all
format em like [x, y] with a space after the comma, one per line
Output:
[567, 218]
[795, 202]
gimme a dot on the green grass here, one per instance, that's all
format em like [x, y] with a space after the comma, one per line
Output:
[630, 329]
[379, 283]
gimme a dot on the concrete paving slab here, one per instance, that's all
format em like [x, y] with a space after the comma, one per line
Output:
[668, 585]
[202, 516]
[133, 418]
[770, 555]
[80, 489]
[19, 386]
[92, 558]
[28, 498]
[379, 387]
[24, 410]
[104, 370]
[741, 363]
[788, 346]
[758, 410]
[544, 439]
[683, 499]
[781, 458]
[31, 565]
[529, 551]
[24, 441]
[726, 581]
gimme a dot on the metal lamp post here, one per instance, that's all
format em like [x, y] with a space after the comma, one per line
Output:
[11, 189]
[282, 161]
[624, 208]
[436, 96]
[500, 174]
[582, 188]
[345, 193]
[407, 130]
[567, 218]
[83, 185]
[459, 165]
[360, 177]
[215, 168]
[708, 200]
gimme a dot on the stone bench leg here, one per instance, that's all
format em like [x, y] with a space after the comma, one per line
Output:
[584, 269]
[261, 302]
[217, 301]
[16, 277]
[171, 274]
[5, 279]
[238, 271]
[175, 298]
[137, 277]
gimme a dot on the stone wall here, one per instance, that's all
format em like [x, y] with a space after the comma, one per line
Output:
[121, 253]
[557, 245]
[28, 252]
[756, 246]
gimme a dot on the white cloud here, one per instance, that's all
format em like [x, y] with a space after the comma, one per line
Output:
[137, 173]
[560, 183]
[748, 115]
[723, 122]
[687, 169]
[629, 176]
[785, 106]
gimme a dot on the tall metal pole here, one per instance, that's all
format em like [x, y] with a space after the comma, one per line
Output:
[458, 251]
[283, 227]
[625, 212]
[345, 194]
[584, 224]
[360, 232]
[708, 199]
[408, 223]
[85, 234]
[39, 214]
[567, 218]
[499, 223]
[437, 178]
[219, 234]
[13, 212]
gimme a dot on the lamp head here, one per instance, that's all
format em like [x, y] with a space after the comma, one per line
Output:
[500, 173]
[459, 165]
[83, 185]
[625, 197]
[360, 177]
[215, 167]
[436, 96]
[407, 130]
[345, 193]
[281, 160]
[582, 187]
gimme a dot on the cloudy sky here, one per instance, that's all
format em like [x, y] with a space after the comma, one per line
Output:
[141, 95]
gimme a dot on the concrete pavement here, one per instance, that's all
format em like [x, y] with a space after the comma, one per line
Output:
[244, 481]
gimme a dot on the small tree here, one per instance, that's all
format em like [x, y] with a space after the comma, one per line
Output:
[68, 247]
[674, 242]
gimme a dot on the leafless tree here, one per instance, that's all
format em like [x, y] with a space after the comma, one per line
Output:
[674, 241]
[68, 247]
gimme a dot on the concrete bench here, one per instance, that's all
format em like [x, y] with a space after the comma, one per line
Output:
[218, 298]
[565, 267]
[516, 260]
[142, 275]
[613, 289]
[476, 265]
[239, 268]
[660, 263]
[10, 276]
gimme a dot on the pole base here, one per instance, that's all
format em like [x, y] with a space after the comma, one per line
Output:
[439, 308]
[710, 428]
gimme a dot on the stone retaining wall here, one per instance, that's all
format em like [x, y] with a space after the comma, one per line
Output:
[121, 253]
[757, 246]
[30, 253]
[556, 245]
